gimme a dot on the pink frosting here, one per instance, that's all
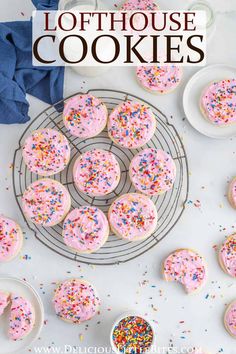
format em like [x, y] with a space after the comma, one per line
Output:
[22, 318]
[85, 116]
[228, 255]
[133, 216]
[10, 239]
[85, 229]
[187, 268]
[46, 152]
[4, 301]
[76, 301]
[131, 124]
[219, 102]
[145, 5]
[159, 79]
[96, 172]
[230, 319]
[152, 171]
[46, 202]
[232, 192]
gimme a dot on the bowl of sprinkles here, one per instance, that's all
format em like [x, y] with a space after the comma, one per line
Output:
[132, 334]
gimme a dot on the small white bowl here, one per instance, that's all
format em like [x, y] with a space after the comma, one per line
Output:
[123, 316]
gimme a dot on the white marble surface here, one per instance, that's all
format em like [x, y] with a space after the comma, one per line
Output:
[130, 286]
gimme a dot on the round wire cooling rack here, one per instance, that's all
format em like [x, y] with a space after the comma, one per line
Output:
[170, 205]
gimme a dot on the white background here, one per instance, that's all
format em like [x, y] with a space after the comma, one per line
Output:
[138, 285]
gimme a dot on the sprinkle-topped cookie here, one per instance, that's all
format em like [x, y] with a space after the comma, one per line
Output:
[46, 152]
[4, 301]
[152, 171]
[186, 267]
[227, 255]
[22, 318]
[133, 217]
[46, 202]
[230, 319]
[96, 172]
[218, 102]
[133, 334]
[86, 229]
[76, 301]
[131, 124]
[10, 239]
[142, 5]
[85, 116]
[232, 193]
[159, 79]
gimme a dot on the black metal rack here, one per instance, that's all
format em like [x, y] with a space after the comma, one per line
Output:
[170, 206]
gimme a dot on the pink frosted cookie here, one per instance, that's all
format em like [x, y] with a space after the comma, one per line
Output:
[85, 230]
[85, 116]
[152, 171]
[159, 79]
[218, 102]
[11, 239]
[227, 256]
[142, 5]
[230, 319]
[186, 267]
[131, 124]
[96, 172]
[133, 217]
[46, 152]
[46, 202]
[232, 193]
[22, 318]
[76, 301]
[4, 301]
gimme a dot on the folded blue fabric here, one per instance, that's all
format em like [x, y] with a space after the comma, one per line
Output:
[46, 4]
[17, 74]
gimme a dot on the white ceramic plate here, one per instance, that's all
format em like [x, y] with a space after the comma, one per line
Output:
[191, 100]
[19, 287]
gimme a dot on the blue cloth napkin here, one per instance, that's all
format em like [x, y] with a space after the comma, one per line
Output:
[17, 74]
[45, 4]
